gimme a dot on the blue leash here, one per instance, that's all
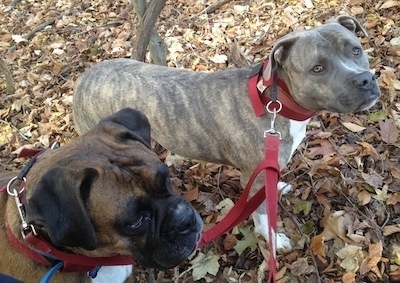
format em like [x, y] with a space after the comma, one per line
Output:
[49, 274]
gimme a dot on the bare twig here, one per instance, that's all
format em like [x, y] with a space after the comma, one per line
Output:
[34, 31]
[210, 9]
[121, 17]
[7, 74]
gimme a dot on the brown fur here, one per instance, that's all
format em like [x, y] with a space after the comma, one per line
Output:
[84, 196]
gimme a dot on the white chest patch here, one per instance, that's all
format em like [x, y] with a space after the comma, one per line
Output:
[298, 133]
[115, 274]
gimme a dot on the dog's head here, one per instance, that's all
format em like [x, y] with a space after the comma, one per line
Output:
[107, 193]
[325, 67]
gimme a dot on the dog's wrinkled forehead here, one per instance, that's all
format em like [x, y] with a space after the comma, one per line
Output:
[333, 36]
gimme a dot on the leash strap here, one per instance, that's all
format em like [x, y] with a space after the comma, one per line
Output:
[271, 178]
[49, 274]
[239, 212]
[243, 207]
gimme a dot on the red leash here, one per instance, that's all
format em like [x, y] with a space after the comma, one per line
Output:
[243, 207]
[261, 103]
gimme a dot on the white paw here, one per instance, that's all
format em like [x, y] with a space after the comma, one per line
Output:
[284, 188]
[283, 244]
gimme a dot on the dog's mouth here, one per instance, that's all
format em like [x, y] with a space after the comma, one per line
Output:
[355, 103]
[368, 104]
[175, 232]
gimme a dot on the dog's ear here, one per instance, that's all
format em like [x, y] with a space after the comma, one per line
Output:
[278, 55]
[128, 123]
[350, 23]
[58, 206]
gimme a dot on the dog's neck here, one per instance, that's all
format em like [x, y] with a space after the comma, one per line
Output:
[258, 86]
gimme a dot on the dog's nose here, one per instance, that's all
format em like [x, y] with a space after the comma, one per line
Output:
[185, 222]
[365, 80]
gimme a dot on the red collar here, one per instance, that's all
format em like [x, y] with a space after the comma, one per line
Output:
[290, 108]
[39, 249]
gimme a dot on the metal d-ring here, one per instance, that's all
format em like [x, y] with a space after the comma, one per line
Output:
[15, 193]
[275, 110]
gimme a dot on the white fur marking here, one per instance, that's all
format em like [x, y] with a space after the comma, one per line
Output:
[284, 188]
[260, 219]
[298, 132]
[115, 274]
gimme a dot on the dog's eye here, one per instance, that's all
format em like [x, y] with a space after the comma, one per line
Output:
[318, 68]
[356, 51]
[137, 222]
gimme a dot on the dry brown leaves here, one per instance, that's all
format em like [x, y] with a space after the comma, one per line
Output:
[342, 216]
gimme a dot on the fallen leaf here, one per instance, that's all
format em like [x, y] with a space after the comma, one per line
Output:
[240, 9]
[308, 4]
[317, 245]
[388, 131]
[191, 195]
[18, 38]
[300, 205]
[396, 254]
[249, 240]
[203, 264]
[381, 195]
[391, 229]
[357, 10]
[373, 179]
[224, 207]
[308, 227]
[324, 148]
[371, 261]
[395, 172]
[301, 267]
[368, 149]
[352, 257]
[219, 58]
[349, 277]
[353, 127]
[393, 199]
[389, 4]
[364, 197]
[229, 242]
[378, 115]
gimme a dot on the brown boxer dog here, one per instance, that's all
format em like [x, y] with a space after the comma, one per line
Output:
[104, 194]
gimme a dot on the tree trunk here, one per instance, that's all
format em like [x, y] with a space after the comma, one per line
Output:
[147, 35]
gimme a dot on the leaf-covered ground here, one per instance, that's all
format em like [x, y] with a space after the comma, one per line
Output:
[343, 214]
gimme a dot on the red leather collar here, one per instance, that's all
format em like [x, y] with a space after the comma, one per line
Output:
[290, 108]
[37, 248]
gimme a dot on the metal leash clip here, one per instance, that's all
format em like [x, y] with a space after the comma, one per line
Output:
[273, 111]
[25, 227]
